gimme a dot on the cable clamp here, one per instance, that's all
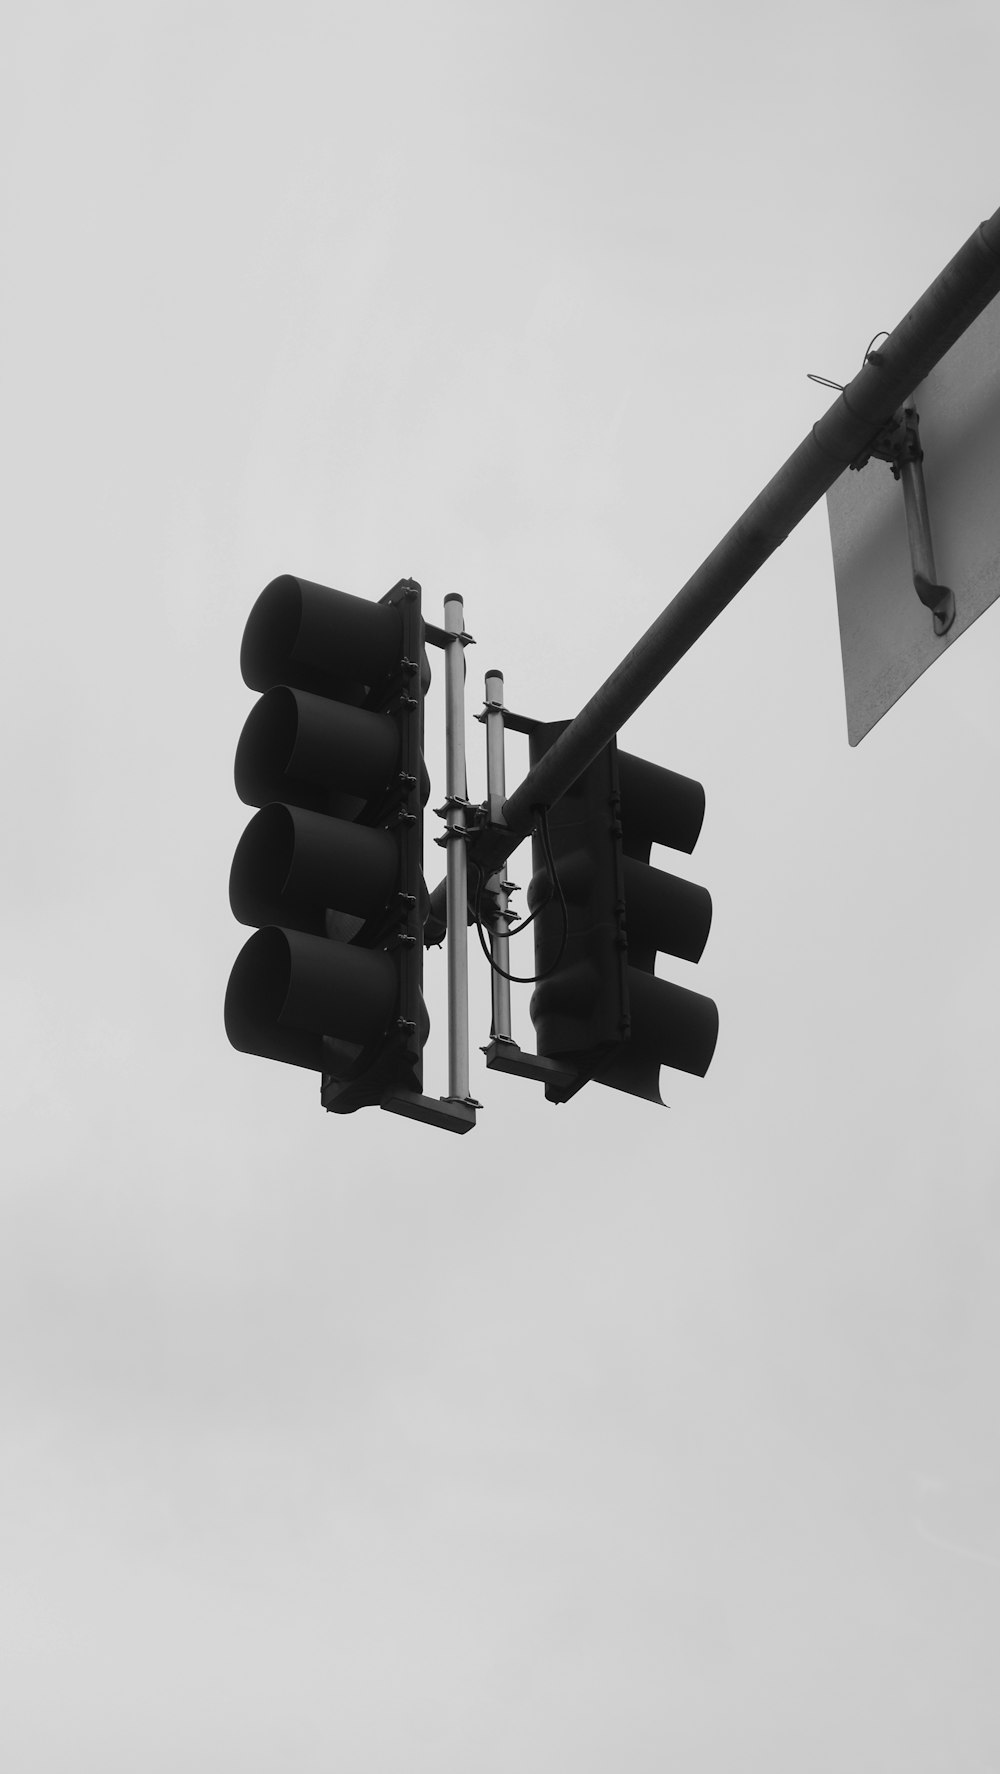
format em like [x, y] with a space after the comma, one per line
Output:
[490, 708]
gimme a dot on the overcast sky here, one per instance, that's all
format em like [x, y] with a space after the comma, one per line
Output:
[607, 1436]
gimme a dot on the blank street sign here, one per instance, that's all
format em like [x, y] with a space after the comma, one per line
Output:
[887, 636]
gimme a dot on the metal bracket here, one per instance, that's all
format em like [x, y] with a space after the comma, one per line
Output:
[443, 637]
[454, 1115]
[898, 443]
[504, 1055]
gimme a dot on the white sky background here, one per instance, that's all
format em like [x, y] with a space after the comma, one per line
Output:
[604, 1436]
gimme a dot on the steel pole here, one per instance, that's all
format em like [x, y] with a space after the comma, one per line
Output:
[456, 791]
[496, 885]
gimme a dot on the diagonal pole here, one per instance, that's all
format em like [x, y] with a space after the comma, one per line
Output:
[950, 305]
[941, 315]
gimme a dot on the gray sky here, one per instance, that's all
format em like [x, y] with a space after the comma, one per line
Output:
[605, 1436]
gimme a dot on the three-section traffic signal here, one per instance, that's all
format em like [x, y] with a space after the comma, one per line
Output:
[330, 868]
[601, 916]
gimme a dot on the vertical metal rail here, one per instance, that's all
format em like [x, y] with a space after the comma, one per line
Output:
[497, 889]
[456, 801]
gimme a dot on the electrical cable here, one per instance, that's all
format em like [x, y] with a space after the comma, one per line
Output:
[529, 979]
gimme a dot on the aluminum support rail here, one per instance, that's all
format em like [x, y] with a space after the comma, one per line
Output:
[455, 838]
[942, 314]
[496, 885]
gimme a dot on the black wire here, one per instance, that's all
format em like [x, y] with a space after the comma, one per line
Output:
[528, 979]
[512, 929]
[519, 979]
[883, 334]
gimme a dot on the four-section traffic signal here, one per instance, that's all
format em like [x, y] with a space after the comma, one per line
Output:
[330, 869]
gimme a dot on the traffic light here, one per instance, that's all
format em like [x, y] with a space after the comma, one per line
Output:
[330, 868]
[602, 914]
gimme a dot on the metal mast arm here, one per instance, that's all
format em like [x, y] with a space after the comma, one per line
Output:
[941, 315]
[951, 303]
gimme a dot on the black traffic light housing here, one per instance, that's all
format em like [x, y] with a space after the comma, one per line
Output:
[330, 868]
[601, 916]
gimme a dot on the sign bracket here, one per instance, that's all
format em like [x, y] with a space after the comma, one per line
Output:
[898, 443]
